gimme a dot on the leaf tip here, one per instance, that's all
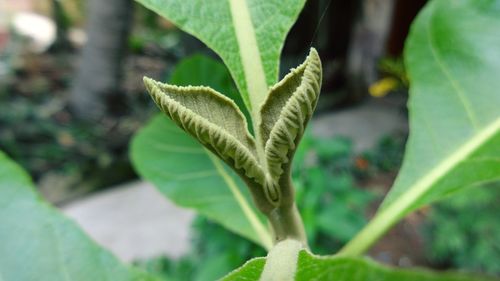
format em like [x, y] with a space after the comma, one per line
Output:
[313, 53]
[149, 83]
[314, 59]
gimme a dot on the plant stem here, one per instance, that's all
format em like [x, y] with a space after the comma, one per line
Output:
[286, 223]
[250, 215]
[377, 227]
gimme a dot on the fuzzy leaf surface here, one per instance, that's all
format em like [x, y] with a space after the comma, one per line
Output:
[212, 119]
[38, 243]
[286, 112]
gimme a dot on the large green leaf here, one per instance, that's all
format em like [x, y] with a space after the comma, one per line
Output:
[453, 61]
[247, 34]
[286, 262]
[190, 175]
[37, 243]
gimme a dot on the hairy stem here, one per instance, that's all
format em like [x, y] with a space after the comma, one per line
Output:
[286, 223]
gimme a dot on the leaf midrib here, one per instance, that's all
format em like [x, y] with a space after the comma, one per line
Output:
[418, 189]
[249, 54]
[393, 212]
[252, 67]
[250, 215]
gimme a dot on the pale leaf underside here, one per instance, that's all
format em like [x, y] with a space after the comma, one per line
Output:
[454, 102]
[453, 60]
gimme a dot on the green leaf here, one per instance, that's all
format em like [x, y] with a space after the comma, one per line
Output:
[192, 177]
[285, 114]
[38, 243]
[247, 34]
[287, 262]
[251, 270]
[453, 61]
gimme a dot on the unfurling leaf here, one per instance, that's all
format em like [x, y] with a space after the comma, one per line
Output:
[213, 119]
[219, 125]
[285, 114]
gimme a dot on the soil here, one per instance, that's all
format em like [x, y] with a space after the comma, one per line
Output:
[403, 245]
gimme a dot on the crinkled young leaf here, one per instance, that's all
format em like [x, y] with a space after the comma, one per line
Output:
[213, 119]
[247, 34]
[285, 114]
[305, 266]
[37, 243]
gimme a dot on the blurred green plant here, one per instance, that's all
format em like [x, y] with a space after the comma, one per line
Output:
[387, 156]
[395, 77]
[67, 156]
[332, 206]
[464, 232]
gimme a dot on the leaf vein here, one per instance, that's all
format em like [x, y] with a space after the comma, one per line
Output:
[454, 83]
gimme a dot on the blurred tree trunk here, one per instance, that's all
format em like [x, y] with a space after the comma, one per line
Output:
[100, 69]
[403, 15]
[367, 45]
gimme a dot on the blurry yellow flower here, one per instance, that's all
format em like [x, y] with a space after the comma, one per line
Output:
[383, 87]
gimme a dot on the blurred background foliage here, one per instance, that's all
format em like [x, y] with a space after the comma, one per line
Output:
[70, 153]
[464, 232]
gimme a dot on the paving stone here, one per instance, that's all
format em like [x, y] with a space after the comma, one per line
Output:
[365, 124]
[134, 221]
